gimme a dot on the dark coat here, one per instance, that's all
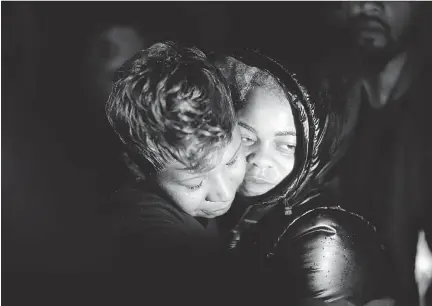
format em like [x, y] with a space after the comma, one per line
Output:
[280, 231]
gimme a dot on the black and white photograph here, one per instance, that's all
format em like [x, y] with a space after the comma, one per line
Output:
[231, 152]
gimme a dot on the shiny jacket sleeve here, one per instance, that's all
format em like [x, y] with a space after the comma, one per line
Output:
[325, 254]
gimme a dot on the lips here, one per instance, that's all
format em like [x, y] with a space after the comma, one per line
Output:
[256, 185]
[370, 25]
[258, 180]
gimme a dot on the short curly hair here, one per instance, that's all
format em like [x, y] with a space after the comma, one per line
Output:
[167, 103]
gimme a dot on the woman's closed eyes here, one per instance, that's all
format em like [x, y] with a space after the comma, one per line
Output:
[286, 147]
[247, 141]
[231, 163]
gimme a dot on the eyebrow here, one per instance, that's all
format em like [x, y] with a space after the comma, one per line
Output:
[285, 133]
[189, 179]
[247, 127]
[280, 133]
[191, 171]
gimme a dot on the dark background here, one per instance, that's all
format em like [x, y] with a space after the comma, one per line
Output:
[58, 162]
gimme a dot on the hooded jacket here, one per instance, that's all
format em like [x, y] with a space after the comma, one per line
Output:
[297, 232]
[311, 155]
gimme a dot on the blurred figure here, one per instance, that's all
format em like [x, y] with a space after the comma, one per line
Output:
[423, 268]
[380, 29]
[108, 46]
[112, 46]
[378, 87]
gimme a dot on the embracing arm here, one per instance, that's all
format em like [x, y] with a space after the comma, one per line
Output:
[156, 237]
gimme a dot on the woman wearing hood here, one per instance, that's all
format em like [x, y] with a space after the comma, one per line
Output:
[283, 223]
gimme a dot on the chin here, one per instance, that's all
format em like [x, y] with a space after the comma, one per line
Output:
[210, 214]
[215, 215]
[250, 190]
[373, 44]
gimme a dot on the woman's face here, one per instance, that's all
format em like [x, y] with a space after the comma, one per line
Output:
[269, 138]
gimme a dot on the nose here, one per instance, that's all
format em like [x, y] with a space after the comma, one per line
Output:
[369, 8]
[222, 189]
[260, 157]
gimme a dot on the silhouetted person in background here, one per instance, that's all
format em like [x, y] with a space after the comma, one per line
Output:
[379, 89]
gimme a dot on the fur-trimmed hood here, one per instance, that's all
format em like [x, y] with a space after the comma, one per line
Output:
[310, 119]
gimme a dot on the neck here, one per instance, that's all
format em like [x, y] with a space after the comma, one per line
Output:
[380, 85]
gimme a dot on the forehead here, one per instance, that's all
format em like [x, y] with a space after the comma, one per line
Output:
[390, 7]
[267, 109]
[176, 170]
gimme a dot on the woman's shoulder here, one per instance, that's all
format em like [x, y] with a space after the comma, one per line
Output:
[136, 205]
[330, 221]
[334, 245]
[313, 221]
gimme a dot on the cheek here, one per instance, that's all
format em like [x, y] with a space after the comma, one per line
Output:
[187, 200]
[238, 172]
[285, 164]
